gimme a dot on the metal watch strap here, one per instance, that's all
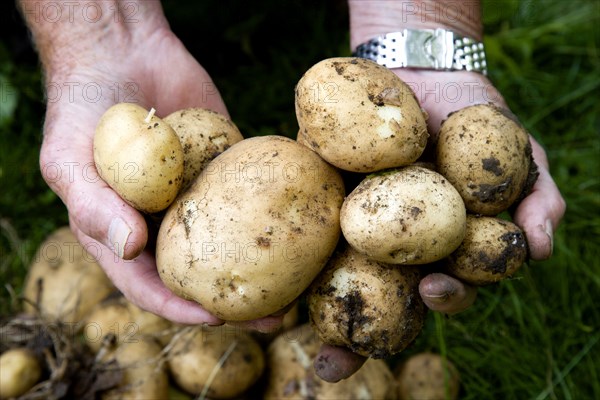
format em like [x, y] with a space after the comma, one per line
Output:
[425, 48]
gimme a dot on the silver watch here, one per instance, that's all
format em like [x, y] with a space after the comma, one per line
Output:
[425, 48]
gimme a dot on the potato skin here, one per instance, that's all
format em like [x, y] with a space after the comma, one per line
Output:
[197, 352]
[374, 309]
[427, 376]
[410, 215]
[254, 230]
[204, 134]
[291, 374]
[486, 155]
[20, 370]
[143, 376]
[493, 249]
[65, 279]
[142, 162]
[359, 116]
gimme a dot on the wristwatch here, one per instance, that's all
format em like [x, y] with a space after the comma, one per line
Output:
[438, 49]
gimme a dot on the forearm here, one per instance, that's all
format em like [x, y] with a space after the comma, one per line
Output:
[66, 31]
[371, 18]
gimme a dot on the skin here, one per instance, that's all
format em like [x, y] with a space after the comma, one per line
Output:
[103, 221]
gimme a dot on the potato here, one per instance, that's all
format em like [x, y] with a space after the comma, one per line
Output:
[253, 231]
[20, 370]
[410, 215]
[427, 376]
[120, 321]
[486, 155]
[139, 156]
[144, 375]
[374, 309]
[220, 362]
[291, 374]
[204, 134]
[359, 116]
[493, 249]
[64, 280]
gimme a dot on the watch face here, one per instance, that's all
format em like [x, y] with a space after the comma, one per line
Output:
[436, 49]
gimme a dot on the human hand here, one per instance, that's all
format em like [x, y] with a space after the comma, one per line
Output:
[538, 214]
[143, 63]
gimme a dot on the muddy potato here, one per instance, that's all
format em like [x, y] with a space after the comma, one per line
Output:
[493, 249]
[374, 309]
[359, 116]
[410, 215]
[486, 155]
[144, 377]
[139, 156]
[291, 374]
[253, 231]
[427, 376]
[64, 282]
[20, 370]
[219, 362]
[204, 134]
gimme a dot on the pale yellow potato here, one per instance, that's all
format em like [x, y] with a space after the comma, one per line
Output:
[117, 320]
[486, 154]
[291, 373]
[219, 362]
[254, 230]
[410, 215]
[359, 116]
[20, 370]
[139, 156]
[144, 375]
[64, 281]
[374, 309]
[493, 249]
[427, 376]
[204, 134]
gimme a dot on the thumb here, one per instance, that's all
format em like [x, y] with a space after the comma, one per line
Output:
[541, 211]
[68, 168]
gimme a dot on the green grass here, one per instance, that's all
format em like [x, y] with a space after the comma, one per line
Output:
[535, 336]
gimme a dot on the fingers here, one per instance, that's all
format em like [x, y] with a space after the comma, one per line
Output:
[68, 168]
[542, 210]
[138, 280]
[446, 294]
[333, 364]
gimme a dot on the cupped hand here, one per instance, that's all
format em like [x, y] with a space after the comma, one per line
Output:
[153, 71]
[539, 214]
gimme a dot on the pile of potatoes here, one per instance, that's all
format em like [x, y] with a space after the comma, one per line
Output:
[349, 215]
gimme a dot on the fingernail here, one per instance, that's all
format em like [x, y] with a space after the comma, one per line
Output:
[118, 233]
[442, 299]
[550, 233]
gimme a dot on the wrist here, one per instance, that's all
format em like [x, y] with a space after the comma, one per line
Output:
[69, 34]
[369, 19]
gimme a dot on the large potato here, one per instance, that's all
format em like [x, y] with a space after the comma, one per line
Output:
[221, 362]
[410, 215]
[374, 309]
[204, 134]
[64, 281]
[486, 155]
[359, 116]
[493, 249]
[254, 230]
[139, 156]
[291, 374]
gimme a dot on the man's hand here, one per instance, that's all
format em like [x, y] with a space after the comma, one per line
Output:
[120, 52]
